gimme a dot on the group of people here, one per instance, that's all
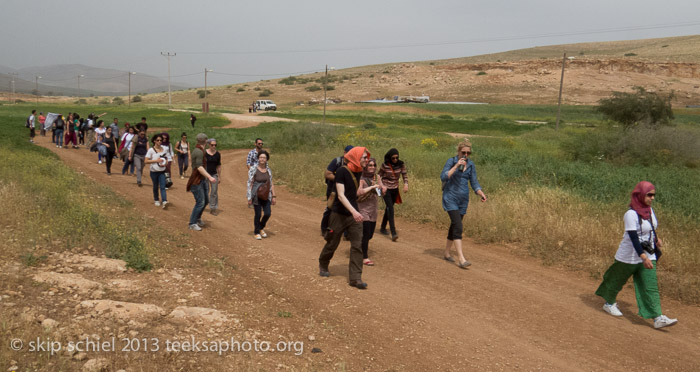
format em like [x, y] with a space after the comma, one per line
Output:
[355, 183]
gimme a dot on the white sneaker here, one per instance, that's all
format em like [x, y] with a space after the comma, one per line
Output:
[165, 204]
[612, 309]
[664, 321]
[99, 162]
[262, 233]
[195, 227]
[258, 237]
[157, 203]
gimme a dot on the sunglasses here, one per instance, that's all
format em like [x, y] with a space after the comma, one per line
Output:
[212, 144]
[259, 143]
[466, 152]
[394, 157]
[651, 194]
[158, 140]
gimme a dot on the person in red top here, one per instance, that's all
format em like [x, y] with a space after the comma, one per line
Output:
[345, 215]
[42, 120]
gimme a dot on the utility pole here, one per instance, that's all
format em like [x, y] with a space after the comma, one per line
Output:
[79, 76]
[36, 89]
[130, 73]
[561, 87]
[206, 104]
[325, 83]
[12, 88]
[170, 98]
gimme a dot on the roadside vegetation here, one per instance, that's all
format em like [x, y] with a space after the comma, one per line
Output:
[551, 193]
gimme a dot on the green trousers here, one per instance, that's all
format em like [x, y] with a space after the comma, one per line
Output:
[646, 286]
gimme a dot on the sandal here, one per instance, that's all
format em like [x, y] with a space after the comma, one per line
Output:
[464, 265]
[448, 259]
[368, 262]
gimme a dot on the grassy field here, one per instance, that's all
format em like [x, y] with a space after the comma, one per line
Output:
[566, 212]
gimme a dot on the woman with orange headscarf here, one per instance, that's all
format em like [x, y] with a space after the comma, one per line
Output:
[345, 215]
[636, 256]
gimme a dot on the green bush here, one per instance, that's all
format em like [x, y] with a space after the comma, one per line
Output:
[630, 54]
[265, 93]
[288, 81]
[313, 88]
[200, 93]
[480, 73]
[330, 87]
[117, 101]
[240, 90]
[136, 99]
[639, 107]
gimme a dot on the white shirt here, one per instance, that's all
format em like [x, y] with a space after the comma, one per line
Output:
[153, 155]
[128, 137]
[625, 252]
[31, 121]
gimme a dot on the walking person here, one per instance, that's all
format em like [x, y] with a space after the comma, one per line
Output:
[329, 176]
[193, 119]
[214, 169]
[637, 257]
[157, 157]
[71, 135]
[197, 183]
[139, 149]
[30, 124]
[183, 154]
[125, 150]
[115, 129]
[169, 151]
[367, 202]
[109, 141]
[142, 126]
[252, 157]
[59, 126]
[42, 120]
[99, 134]
[261, 193]
[457, 175]
[345, 216]
[389, 174]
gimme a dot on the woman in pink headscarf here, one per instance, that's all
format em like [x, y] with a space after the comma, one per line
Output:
[636, 256]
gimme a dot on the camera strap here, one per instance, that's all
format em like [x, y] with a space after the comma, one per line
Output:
[652, 239]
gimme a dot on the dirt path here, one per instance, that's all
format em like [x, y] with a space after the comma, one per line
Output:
[420, 313]
[249, 120]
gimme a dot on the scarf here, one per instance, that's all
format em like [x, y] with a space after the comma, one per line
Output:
[387, 159]
[637, 200]
[353, 157]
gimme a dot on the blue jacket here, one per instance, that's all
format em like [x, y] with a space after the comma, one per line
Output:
[455, 191]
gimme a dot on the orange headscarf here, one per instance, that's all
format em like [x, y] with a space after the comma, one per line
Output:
[353, 157]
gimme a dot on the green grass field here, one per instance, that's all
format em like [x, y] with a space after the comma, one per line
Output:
[568, 213]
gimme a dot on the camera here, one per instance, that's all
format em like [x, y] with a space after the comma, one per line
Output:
[379, 191]
[648, 247]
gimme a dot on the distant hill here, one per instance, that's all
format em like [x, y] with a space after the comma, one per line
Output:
[63, 80]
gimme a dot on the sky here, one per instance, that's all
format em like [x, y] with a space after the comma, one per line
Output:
[256, 40]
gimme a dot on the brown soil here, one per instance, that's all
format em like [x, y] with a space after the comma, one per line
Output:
[420, 313]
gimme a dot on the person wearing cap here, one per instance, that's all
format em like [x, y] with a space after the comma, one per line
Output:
[330, 185]
[197, 183]
[345, 215]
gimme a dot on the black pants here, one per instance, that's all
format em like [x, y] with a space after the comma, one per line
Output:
[108, 161]
[262, 214]
[338, 224]
[455, 231]
[389, 200]
[367, 234]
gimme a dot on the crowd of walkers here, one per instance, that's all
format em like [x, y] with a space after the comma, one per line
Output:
[355, 184]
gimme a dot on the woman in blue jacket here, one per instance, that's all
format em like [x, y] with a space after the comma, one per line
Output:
[458, 172]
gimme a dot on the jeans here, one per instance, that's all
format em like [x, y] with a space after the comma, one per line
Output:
[201, 199]
[128, 164]
[139, 160]
[58, 134]
[389, 200]
[258, 222]
[158, 179]
[182, 161]
[214, 193]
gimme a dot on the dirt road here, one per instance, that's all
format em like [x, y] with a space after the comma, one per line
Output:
[249, 120]
[420, 313]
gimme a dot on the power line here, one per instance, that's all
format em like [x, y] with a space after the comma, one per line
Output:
[468, 41]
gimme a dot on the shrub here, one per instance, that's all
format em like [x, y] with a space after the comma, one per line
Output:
[640, 107]
[369, 125]
[240, 90]
[371, 75]
[136, 99]
[288, 81]
[330, 87]
[630, 54]
[265, 93]
[118, 101]
[446, 117]
[81, 101]
[105, 102]
[200, 93]
[313, 88]
[481, 73]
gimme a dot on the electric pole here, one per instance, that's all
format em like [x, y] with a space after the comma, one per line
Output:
[206, 104]
[12, 87]
[79, 76]
[325, 83]
[130, 73]
[170, 98]
[36, 89]
[561, 86]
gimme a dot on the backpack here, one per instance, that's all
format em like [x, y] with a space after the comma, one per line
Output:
[28, 122]
[59, 123]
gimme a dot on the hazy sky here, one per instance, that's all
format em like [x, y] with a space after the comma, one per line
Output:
[253, 40]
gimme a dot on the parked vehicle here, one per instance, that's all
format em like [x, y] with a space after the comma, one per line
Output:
[266, 105]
